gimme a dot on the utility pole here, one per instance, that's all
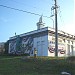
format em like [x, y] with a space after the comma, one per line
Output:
[56, 30]
[55, 7]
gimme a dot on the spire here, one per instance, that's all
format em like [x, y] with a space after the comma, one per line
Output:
[40, 19]
[40, 24]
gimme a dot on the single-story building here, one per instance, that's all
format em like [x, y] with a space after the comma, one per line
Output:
[43, 40]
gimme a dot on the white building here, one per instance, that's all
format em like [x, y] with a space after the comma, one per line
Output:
[43, 39]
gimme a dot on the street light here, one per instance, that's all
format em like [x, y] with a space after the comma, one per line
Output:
[52, 20]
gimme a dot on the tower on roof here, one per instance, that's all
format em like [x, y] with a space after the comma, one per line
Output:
[40, 24]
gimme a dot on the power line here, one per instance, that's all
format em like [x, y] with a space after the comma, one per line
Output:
[23, 11]
[61, 18]
[21, 3]
[28, 5]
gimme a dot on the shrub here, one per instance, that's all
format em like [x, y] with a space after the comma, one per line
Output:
[71, 58]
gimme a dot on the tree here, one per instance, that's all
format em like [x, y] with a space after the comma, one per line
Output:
[6, 46]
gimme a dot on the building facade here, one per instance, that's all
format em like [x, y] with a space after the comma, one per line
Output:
[43, 40]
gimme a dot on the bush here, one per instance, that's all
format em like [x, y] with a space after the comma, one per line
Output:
[71, 58]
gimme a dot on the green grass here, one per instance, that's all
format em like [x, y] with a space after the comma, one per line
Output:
[14, 65]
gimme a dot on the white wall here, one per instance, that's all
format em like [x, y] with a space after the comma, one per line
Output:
[41, 44]
[69, 50]
[49, 39]
[74, 48]
[9, 48]
[51, 46]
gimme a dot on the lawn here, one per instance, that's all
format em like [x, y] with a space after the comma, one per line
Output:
[15, 65]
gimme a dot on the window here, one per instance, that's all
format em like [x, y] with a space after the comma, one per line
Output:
[68, 41]
[72, 42]
[38, 43]
[64, 40]
[42, 42]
